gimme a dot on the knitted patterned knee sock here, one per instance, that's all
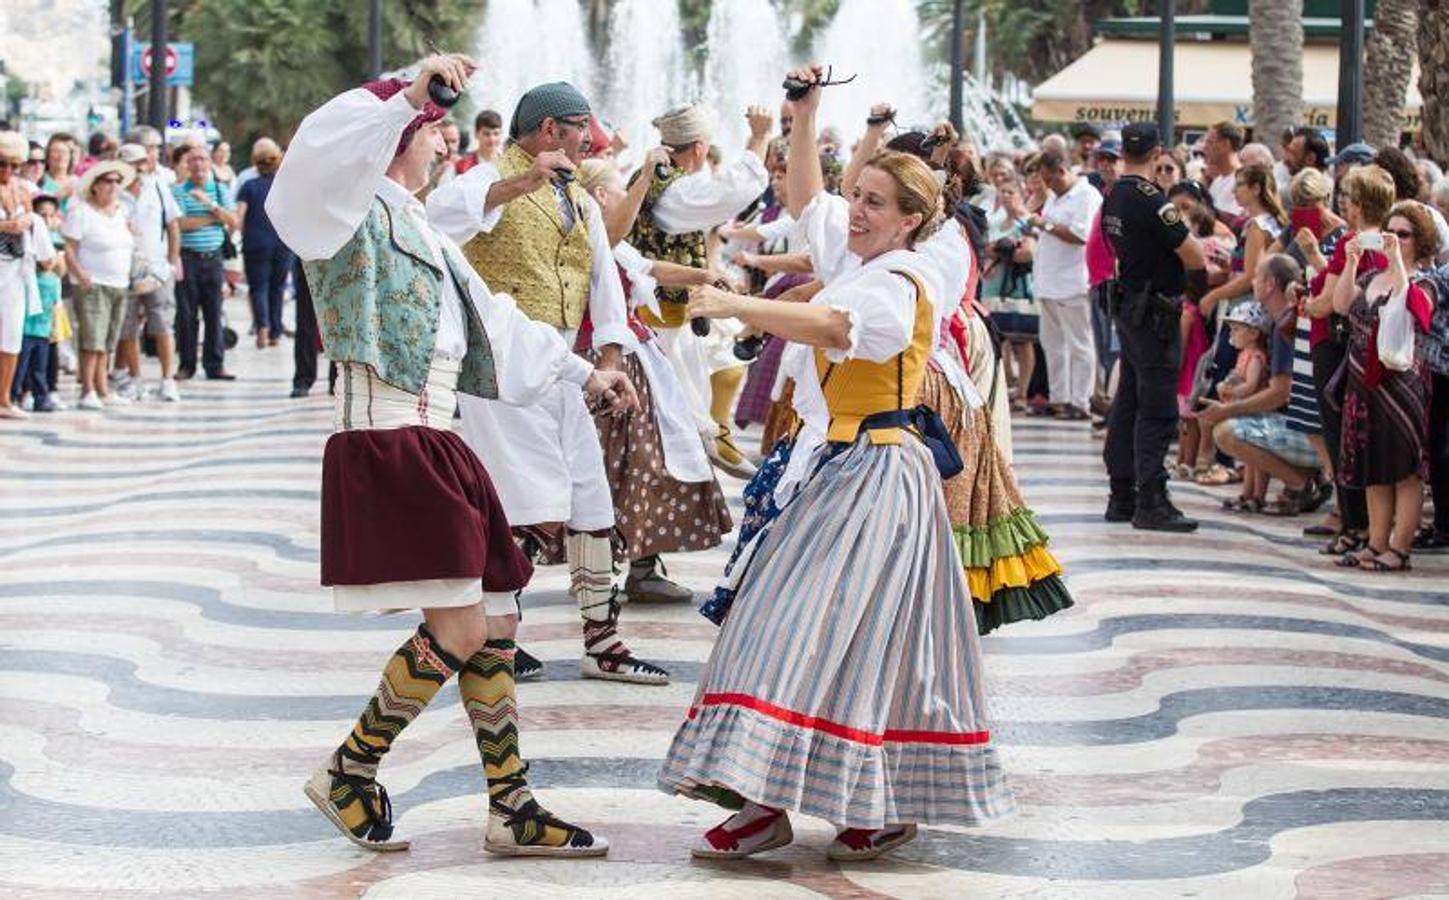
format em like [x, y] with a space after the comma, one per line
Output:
[409, 681]
[487, 688]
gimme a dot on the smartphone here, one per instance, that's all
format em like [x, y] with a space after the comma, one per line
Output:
[1373, 240]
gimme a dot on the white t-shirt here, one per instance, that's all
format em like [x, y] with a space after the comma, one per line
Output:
[1060, 267]
[1221, 190]
[104, 243]
[151, 212]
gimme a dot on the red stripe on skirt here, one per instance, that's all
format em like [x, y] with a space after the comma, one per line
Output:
[815, 723]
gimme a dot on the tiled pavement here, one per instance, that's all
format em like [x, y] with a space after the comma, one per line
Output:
[1222, 715]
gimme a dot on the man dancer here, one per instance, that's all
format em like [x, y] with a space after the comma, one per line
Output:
[530, 231]
[679, 211]
[409, 515]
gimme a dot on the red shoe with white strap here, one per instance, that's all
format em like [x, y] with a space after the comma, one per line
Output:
[752, 830]
[859, 844]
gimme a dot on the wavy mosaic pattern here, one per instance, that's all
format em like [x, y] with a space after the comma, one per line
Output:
[1223, 715]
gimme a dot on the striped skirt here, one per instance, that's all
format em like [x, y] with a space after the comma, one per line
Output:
[846, 682]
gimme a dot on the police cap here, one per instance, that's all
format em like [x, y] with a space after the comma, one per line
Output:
[1141, 138]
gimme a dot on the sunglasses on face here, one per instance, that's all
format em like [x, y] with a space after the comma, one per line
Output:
[1404, 235]
[9, 164]
[574, 123]
[110, 179]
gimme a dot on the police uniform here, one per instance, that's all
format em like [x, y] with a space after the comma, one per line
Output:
[1145, 230]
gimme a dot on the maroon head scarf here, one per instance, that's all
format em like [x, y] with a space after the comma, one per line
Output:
[431, 112]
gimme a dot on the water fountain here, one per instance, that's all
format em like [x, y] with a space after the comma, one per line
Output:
[646, 72]
[746, 56]
[522, 43]
[880, 42]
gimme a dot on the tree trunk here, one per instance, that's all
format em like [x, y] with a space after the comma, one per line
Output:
[1386, 73]
[1434, 76]
[1275, 31]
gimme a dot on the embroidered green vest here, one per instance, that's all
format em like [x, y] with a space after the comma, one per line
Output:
[530, 257]
[686, 249]
[378, 301]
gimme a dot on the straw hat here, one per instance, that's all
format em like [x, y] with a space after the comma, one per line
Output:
[14, 147]
[127, 173]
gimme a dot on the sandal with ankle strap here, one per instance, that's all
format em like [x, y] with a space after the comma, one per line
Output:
[1376, 563]
[1343, 543]
[329, 786]
[531, 830]
[1358, 559]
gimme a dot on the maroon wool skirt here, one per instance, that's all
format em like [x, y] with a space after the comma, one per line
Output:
[413, 504]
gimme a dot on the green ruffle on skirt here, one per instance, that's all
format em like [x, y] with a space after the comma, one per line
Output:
[1015, 604]
[1012, 535]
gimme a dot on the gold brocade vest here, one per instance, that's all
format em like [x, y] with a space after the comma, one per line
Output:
[529, 256]
[686, 249]
[858, 388]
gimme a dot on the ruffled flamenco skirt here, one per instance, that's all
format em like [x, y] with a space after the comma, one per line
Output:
[1010, 573]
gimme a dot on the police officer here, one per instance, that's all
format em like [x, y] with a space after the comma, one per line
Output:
[1158, 260]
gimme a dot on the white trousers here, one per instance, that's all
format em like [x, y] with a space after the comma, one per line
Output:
[1066, 338]
[544, 459]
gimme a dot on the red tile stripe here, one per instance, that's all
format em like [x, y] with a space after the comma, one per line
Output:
[814, 723]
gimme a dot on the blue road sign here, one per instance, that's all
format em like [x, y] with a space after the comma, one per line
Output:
[180, 62]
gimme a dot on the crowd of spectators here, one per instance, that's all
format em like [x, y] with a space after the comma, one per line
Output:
[1283, 393]
[112, 248]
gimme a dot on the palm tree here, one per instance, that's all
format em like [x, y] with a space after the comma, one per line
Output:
[1391, 50]
[1275, 33]
[1434, 75]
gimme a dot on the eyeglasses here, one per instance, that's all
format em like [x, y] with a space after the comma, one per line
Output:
[9, 164]
[1405, 235]
[581, 124]
[110, 179]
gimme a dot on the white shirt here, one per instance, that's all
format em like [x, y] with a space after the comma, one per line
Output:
[882, 309]
[18, 292]
[333, 171]
[104, 243]
[457, 210]
[1060, 267]
[151, 211]
[1221, 190]
[706, 199]
[778, 230]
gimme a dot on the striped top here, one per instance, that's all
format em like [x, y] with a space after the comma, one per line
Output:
[210, 238]
[1302, 411]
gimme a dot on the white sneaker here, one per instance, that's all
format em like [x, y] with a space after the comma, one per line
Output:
[27, 403]
[168, 392]
[119, 378]
[130, 389]
[117, 399]
[90, 401]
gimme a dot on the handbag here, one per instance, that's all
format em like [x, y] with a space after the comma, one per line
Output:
[1395, 338]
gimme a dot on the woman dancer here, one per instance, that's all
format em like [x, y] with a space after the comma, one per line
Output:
[847, 682]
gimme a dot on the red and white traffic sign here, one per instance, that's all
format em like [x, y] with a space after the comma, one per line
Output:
[172, 61]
